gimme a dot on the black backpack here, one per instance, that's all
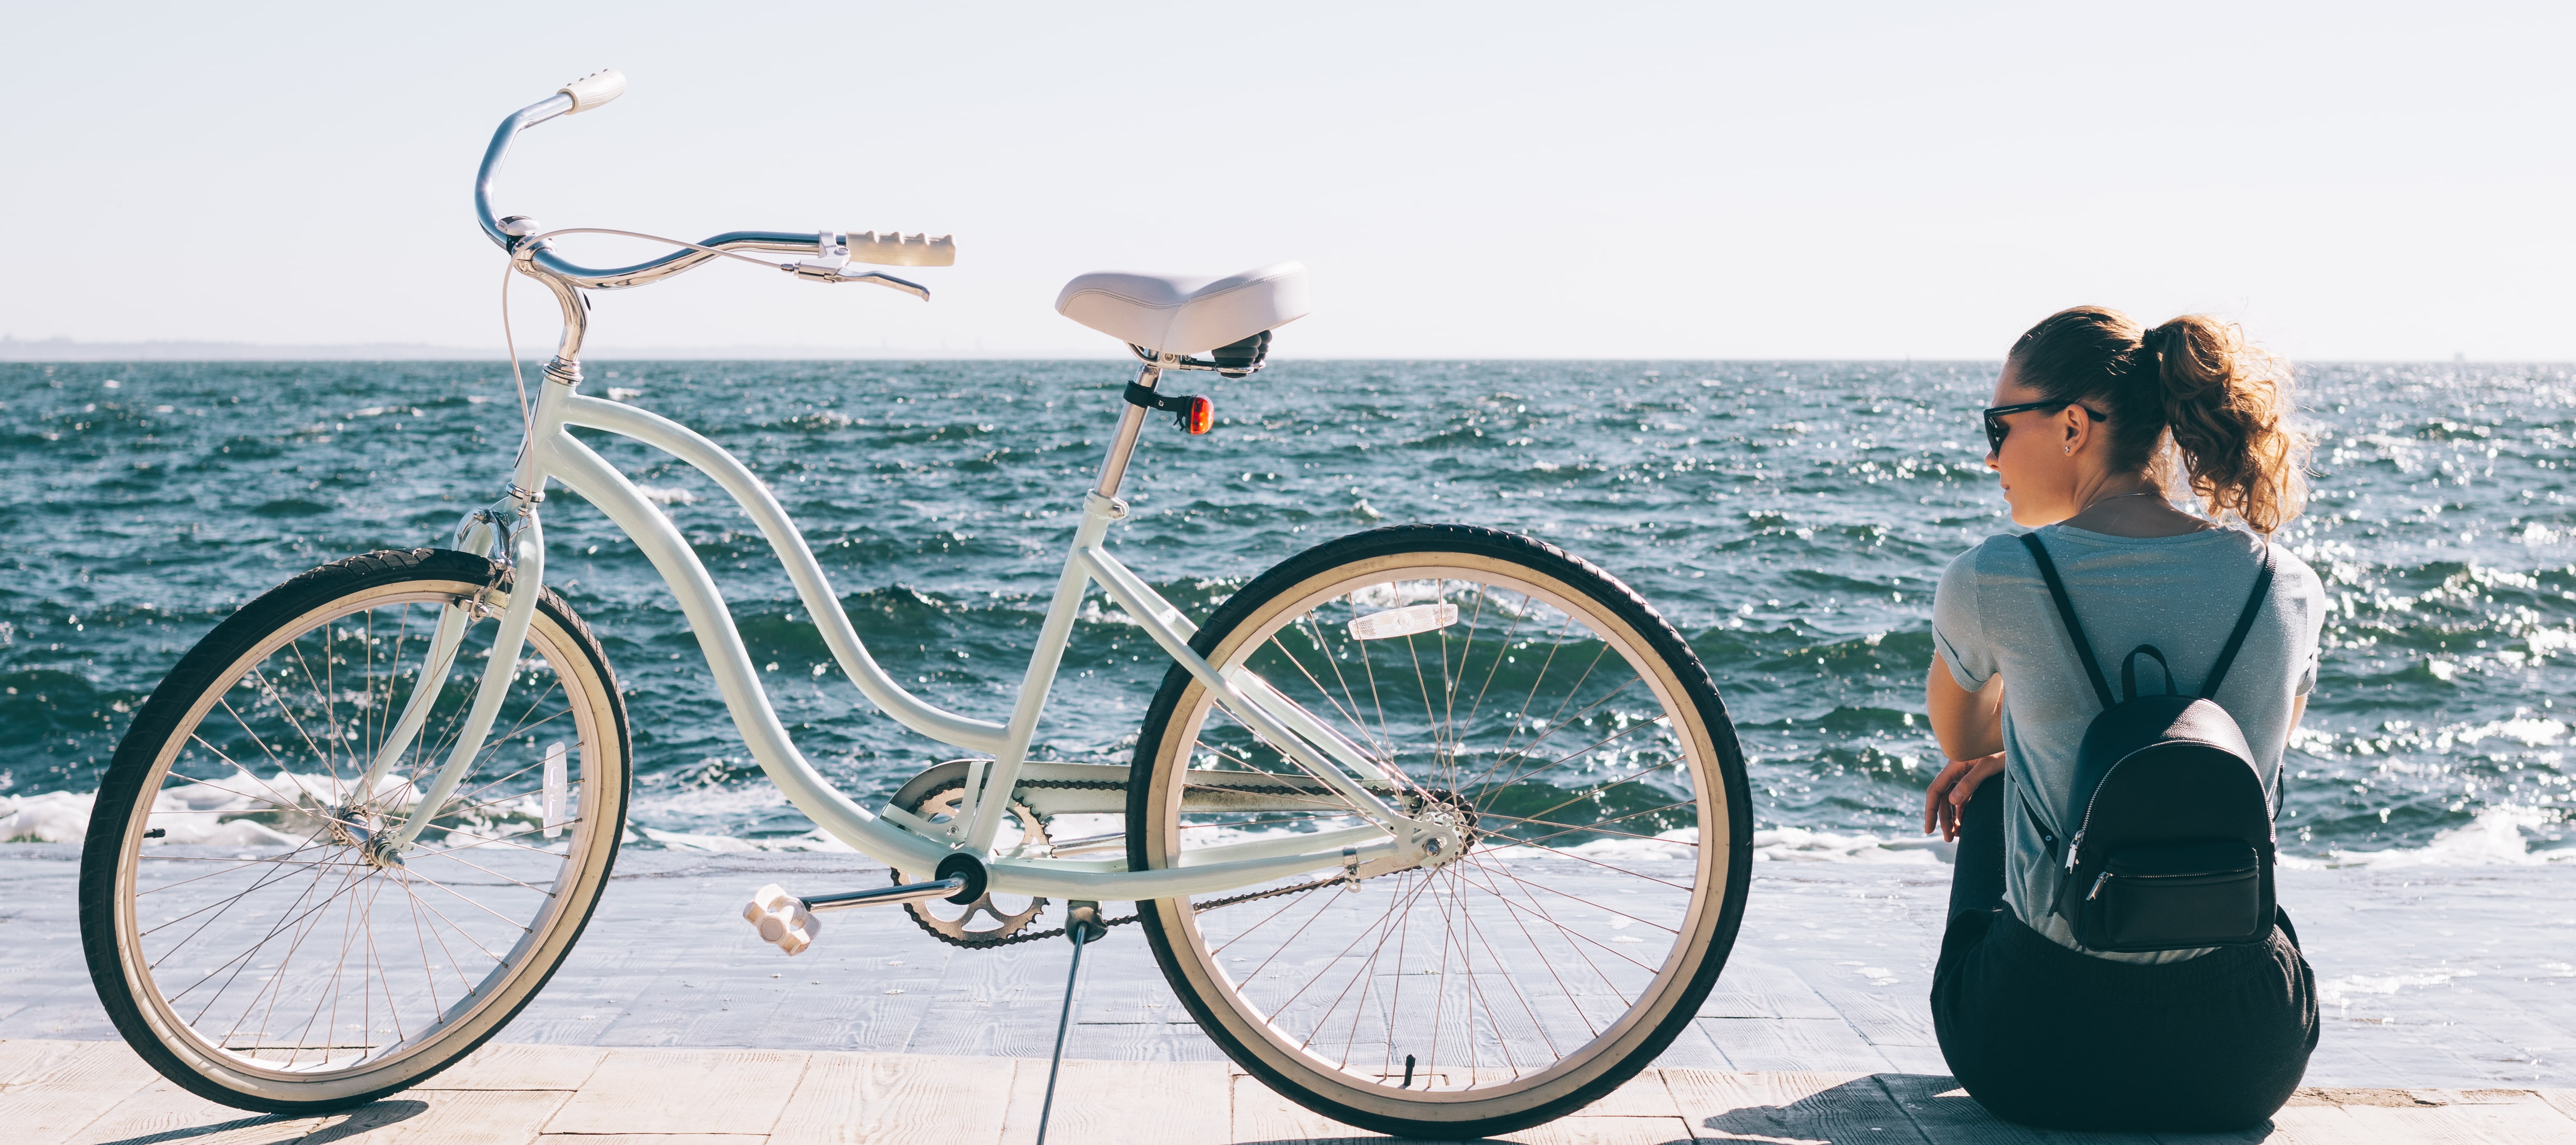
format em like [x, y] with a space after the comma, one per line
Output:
[2173, 847]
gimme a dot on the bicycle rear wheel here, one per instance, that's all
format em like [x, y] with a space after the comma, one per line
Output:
[243, 933]
[1526, 694]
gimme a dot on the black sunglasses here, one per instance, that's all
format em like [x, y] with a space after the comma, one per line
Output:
[1996, 427]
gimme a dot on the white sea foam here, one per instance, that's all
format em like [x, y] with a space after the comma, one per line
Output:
[53, 817]
[667, 495]
[2339, 992]
[196, 814]
[2494, 838]
[1799, 844]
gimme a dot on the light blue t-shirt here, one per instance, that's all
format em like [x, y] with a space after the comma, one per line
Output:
[1992, 617]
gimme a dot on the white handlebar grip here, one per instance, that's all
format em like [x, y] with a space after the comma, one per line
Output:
[891, 249]
[594, 89]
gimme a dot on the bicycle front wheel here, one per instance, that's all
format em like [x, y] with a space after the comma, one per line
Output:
[1529, 696]
[249, 932]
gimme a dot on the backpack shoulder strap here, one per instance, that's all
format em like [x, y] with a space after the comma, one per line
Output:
[2244, 625]
[2075, 628]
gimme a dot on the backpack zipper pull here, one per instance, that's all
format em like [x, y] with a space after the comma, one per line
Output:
[2073, 846]
[2097, 886]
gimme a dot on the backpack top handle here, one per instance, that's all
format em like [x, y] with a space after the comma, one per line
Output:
[2129, 670]
[2084, 645]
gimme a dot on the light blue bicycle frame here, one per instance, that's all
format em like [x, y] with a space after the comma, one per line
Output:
[510, 530]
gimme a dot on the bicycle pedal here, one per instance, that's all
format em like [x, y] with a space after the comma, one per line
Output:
[781, 919]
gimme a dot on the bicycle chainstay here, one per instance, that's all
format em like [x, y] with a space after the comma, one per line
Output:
[1058, 932]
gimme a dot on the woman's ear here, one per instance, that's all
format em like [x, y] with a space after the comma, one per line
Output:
[2075, 426]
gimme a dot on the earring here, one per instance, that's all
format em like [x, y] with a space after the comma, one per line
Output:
[2070, 451]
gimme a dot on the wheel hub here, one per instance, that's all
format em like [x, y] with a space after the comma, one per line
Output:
[1448, 824]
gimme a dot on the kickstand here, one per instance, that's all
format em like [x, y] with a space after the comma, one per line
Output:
[1082, 924]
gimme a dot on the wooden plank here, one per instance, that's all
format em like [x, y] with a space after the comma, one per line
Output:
[1795, 1044]
[520, 1067]
[2562, 1100]
[1884, 1016]
[2425, 1125]
[463, 1117]
[2324, 1124]
[1946, 1115]
[2511, 1117]
[1644, 1095]
[848, 1098]
[1123, 1103]
[1639, 1113]
[1259, 1114]
[1798, 1105]
[683, 1091]
[1757, 987]
[649, 1139]
[855, 1002]
[49, 1090]
[1580, 1130]
[1691, 1049]
[999, 1002]
[165, 1112]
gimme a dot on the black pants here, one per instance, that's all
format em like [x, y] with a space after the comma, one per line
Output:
[2045, 1035]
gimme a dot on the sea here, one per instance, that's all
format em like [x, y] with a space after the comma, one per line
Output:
[1790, 518]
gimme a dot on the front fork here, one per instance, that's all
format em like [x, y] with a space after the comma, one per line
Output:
[513, 523]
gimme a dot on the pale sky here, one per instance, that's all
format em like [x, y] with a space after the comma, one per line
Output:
[1826, 180]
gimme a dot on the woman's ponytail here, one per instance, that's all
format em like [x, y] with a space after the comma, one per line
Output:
[2223, 402]
[2228, 406]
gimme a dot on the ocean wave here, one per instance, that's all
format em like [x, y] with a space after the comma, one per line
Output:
[2494, 839]
[1790, 518]
[193, 814]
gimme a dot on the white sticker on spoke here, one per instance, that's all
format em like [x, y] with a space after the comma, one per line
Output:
[556, 787]
[1404, 621]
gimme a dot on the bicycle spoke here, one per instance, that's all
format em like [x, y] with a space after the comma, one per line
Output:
[323, 951]
[1487, 966]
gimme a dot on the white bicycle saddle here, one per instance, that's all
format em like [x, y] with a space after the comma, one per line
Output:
[1185, 314]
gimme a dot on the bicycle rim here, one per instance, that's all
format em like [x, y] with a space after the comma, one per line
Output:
[1551, 958]
[258, 939]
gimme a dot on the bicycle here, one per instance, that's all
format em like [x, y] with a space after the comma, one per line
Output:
[362, 821]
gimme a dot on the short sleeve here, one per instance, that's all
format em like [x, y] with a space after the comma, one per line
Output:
[1957, 628]
[2313, 592]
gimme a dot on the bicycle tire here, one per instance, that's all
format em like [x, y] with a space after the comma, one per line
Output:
[1483, 1101]
[159, 766]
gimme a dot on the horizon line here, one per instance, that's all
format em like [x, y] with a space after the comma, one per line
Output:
[67, 351]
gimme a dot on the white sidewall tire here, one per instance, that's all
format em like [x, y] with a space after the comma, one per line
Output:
[117, 828]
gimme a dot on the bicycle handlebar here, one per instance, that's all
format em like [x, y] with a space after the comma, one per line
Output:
[602, 86]
[594, 89]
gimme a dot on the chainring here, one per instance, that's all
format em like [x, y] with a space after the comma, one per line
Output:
[939, 805]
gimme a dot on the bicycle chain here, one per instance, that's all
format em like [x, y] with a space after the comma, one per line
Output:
[1211, 904]
[1106, 785]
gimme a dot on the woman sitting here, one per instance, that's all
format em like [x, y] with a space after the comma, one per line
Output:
[2091, 417]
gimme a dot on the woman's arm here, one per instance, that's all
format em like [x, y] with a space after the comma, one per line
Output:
[1968, 724]
[1970, 728]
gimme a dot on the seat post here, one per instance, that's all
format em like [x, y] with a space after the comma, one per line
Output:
[1130, 423]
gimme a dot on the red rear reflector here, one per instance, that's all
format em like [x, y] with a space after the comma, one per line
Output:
[1200, 417]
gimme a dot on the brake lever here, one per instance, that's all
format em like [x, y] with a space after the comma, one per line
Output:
[889, 281]
[833, 265]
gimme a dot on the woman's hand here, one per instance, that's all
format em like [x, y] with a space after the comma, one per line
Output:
[1948, 797]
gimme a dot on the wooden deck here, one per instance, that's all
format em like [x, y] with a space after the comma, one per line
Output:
[2451, 1016]
[99, 1093]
